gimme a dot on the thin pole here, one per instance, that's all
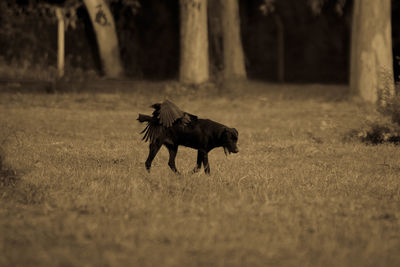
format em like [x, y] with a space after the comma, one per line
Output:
[61, 42]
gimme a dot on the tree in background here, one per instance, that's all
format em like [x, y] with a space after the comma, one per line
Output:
[28, 25]
[371, 65]
[194, 61]
[24, 27]
[215, 38]
[233, 56]
[371, 58]
[104, 27]
[267, 7]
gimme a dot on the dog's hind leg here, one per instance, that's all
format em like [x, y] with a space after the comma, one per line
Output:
[200, 156]
[173, 150]
[153, 150]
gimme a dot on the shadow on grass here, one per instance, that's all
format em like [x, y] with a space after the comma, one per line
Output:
[12, 188]
[8, 177]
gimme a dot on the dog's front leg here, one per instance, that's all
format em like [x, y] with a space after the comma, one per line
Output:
[173, 150]
[153, 150]
[205, 163]
[200, 157]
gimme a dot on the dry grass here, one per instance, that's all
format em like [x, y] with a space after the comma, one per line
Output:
[295, 195]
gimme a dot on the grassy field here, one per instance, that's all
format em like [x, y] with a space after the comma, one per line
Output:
[297, 194]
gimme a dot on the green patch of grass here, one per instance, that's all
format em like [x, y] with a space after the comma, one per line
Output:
[295, 194]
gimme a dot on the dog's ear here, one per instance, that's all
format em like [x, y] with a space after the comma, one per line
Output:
[223, 134]
[223, 137]
[226, 131]
[235, 132]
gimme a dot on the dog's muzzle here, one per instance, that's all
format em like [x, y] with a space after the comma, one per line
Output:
[229, 150]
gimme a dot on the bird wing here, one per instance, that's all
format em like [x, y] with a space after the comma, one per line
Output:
[169, 113]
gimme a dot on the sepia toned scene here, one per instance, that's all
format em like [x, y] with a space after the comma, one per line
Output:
[199, 133]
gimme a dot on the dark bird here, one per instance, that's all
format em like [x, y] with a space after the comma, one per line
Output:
[172, 127]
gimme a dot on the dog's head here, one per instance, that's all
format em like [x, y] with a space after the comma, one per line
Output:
[229, 140]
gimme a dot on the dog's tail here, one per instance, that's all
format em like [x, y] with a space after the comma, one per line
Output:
[153, 129]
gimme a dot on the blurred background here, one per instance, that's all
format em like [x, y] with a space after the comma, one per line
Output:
[314, 35]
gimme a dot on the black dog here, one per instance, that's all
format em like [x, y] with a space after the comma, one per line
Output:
[172, 127]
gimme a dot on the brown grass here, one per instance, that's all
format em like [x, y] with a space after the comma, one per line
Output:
[295, 195]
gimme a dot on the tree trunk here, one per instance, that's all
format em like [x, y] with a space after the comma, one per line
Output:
[60, 42]
[371, 66]
[355, 28]
[194, 61]
[234, 66]
[215, 37]
[107, 41]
